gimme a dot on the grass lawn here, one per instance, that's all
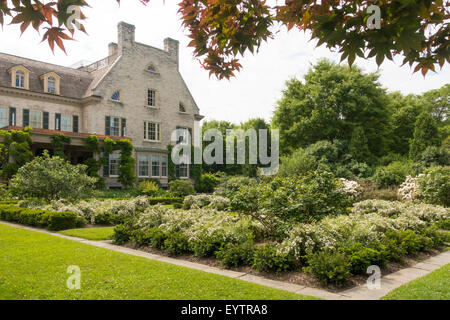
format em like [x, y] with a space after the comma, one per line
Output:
[101, 233]
[434, 286]
[34, 266]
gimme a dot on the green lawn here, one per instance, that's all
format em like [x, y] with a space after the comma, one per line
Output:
[434, 286]
[34, 266]
[102, 233]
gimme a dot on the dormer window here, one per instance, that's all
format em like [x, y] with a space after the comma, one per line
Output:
[19, 77]
[51, 82]
[181, 107]
[51, 85]
[116, 96]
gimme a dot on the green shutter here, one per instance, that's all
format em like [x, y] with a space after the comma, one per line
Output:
[12, 116]
[57, 121]
[108, 126]
[45, 120]
[75, 123]
[123, 127]
[106, 166]
[26, 117]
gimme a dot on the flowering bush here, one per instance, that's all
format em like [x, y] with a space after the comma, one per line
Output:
[351, 188]
[409, 190]
[205, 200]
[228, 187]
[434, 185]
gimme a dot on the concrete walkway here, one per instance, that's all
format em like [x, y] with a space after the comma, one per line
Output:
[362, 292]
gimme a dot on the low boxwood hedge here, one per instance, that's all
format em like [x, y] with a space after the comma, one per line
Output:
[51, 220]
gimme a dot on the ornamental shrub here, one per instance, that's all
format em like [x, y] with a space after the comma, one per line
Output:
[233, 255]
[51, 178]
[361, 257]
[148, 188]
[268, 258]
[122, 234]
[329, 267]
[299, 162]
[434, 185]
[176, 243]
[181, 188]
[207, 183]
[393, 174]
[228, 187]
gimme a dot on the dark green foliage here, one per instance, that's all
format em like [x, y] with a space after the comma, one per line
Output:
[410, 241]
[127, 163]
[267, 258]
[434, 185]
[59, 141]
[394, 173]
[122, 234]
[15, 150]
[425, 134]
[39, 218]
[235, 255]
[176, 243]
[435, 156]
[329, 267]
[361, 257]
[207, 183]
[153, 237]
[93, 144]
[358, 146]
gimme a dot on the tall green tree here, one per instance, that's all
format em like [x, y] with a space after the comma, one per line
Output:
[358, 146]
[425, 134]
[329, 104]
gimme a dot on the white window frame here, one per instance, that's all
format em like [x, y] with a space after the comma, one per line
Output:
[159, 165]
[151, 101]
[157, 131]
[139, 165]
[20, 79]
[64, 117]
[187, 171]
[51, 88]
[164, 165]
[111, 126]
[116, 160]
[40, 121]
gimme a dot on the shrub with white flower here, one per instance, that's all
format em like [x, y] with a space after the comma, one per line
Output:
[409, 190]
[351, 188]
[206, 201]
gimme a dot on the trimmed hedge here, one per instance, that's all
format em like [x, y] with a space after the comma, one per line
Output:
[51, 220]
[4, 202]
[152, 201]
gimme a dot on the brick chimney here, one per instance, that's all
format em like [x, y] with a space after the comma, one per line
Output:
[172, 47]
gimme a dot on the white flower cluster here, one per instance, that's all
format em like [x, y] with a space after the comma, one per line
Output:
[91, 209]
[206, 201]
[199, 224]
[351, 188]
[409, 190]
[367, 224]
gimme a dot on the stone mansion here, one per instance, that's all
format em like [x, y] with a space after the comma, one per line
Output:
[137, 92]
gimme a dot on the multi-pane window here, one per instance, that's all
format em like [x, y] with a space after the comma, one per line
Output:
[151, 98]
[115, 126]
[183, 135]
[181, 107]
[163, 166]
[20, 79]
[155, 165]
[35, 119]
[152, 131]
[182, 170]
[66, 123]
[114, 162]
[51, 85]
[4, 117]
[143, 165]
[151, 68]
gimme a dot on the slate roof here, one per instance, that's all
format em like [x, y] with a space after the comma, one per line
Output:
[74, 83]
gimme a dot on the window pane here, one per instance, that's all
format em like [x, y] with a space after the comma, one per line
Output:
[151, 98]
[35, 119]
[116, 96]
[114, 160]
[143, 165]
[182, 170]
[51, 85]
[115, 126]
[4, 117]
[20, 79]
[152, 131]
[66, 123]
[155, 165]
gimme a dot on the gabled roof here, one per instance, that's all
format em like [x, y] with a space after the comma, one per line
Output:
[74, 83]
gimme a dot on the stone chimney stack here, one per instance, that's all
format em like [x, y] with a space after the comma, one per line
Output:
[113, 49]
[126, 35]
[172, 47]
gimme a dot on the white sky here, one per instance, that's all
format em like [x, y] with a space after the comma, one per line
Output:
[255, 90]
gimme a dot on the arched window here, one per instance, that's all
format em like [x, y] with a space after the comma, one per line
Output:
[116, 96]
[20, 79]
[51, 85]
[181, 107]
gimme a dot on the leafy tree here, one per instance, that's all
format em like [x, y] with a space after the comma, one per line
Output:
[50, 178]
[425, 134]
[221, 30]
[358, 146]
[331, 102]
[15, 150]
[438, 104]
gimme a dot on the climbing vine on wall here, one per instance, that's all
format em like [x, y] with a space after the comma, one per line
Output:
[127, 163]
[92, 143]
[59, 141]
[15, 150]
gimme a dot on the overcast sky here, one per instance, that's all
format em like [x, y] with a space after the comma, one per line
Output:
[255, 90]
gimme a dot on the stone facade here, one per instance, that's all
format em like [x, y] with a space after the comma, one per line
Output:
[136, 89]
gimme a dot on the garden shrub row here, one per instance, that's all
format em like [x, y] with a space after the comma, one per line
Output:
[39, 218]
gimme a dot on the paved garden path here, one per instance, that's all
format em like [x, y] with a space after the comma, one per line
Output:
[362, 292]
